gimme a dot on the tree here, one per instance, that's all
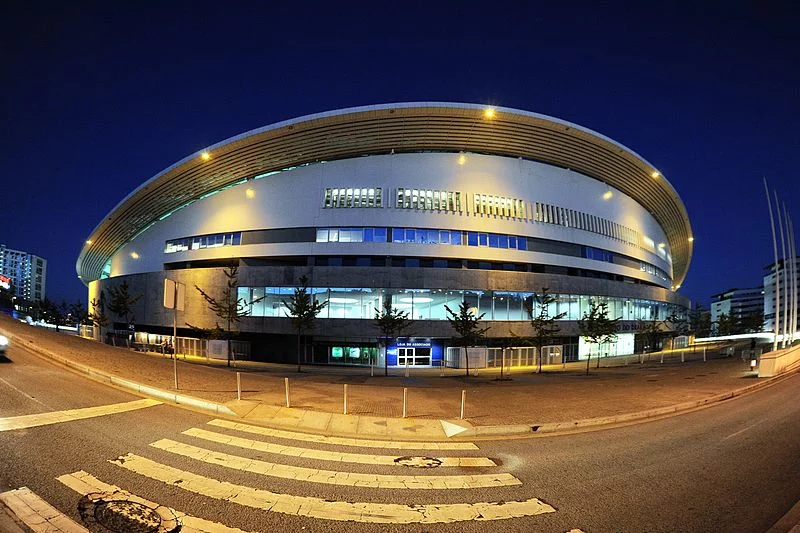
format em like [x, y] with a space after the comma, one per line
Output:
[467, 327]
[121, 302]
[752, 322]
[79, 315]
[598, 328]
[544, 325]
[700, 321]
[303, 310]
[7, 297]
[726, 325]
[391, 322]
[651, 329]
[228, 308]
[98, 314]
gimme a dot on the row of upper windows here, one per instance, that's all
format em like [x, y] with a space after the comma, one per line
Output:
[422, 236]
[428, 199]
[349, 197]
[483, 204]
[408, 235]
[203, 241]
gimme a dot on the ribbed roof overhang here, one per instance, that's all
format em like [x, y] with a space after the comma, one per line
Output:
[398, 128]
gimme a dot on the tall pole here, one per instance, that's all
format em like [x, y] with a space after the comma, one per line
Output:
[777, 283]
[793, 253]
[785, 284]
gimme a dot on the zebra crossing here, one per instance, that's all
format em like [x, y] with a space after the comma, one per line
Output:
[243, 445]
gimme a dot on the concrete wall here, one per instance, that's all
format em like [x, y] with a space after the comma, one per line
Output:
[778, 362]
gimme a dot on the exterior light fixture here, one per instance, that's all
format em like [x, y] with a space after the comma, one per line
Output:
[462, 159]
[655, 174]
[691, 239]
[607, 195]
[488, 112]
[88, 241]
[661, 245]
[205, 156]
[250, 193]
[134, 255]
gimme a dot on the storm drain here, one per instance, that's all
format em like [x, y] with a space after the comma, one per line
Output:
[414, 461]
[119, 512]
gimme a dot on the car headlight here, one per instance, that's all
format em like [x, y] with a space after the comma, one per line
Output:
[3, 341]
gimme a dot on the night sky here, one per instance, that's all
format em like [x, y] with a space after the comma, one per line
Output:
[98, 97]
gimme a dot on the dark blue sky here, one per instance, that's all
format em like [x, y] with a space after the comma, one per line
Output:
[97, 97]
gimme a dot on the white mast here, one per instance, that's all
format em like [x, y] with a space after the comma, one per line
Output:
[777, 284]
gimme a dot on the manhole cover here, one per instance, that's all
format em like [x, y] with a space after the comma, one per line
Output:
[418, 461]
[119, 512]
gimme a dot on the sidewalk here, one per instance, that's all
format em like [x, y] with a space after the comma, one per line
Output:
[562, 398]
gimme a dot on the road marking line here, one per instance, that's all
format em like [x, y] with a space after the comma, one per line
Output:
[37, 514]
[330, 477]
[330, 510]
[325, 455]
[84, 483]
[741, 431]
[57, 417]
[22, 392]
[343, 441]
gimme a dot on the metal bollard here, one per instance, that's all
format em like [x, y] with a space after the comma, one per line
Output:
[704, 354]
[405, 401]
[238, 386]
[682, 357]
[345, 398]
[286, 386]
[463, 403]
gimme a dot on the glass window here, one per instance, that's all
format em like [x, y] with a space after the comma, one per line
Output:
[455, 237]
[472, 238]
[369, 234]
[522, 243]
[322, 235]
[483, 239]
[494, 240]
[379, 234]
[502, 241]
[512, 242]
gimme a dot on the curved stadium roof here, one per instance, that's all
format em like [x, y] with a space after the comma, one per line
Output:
[381, 129]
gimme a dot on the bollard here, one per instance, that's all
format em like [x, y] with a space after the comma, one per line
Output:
[463, 402]
[662, 356]
[238, 386]
[175, 369]
[441, 369]
[405, 401]
[682, 357]
[345, 398]
[286, 386]
[406, 366]
[704, 354]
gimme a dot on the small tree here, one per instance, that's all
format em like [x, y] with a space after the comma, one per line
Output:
[78, 314]
[651, 329]
[467, 327]
[229, 307]
[98, 314]
[391, 322]
[752, 322]
[700, 321]
[303, 310]
[597, 328]
[544, 325]
[121, 302]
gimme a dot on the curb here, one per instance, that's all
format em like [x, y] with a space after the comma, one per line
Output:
[145, 390]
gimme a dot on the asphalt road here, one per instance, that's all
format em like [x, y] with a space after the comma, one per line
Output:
[734, 467]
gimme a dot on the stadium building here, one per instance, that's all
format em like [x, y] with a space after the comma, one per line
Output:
[430, 204]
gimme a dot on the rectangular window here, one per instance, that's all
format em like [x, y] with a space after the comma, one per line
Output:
[472, 238]
[483, 239]
[380, 234]
[455, 237]
[502, 241]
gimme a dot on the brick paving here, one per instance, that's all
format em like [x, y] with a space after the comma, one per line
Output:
[560, 393]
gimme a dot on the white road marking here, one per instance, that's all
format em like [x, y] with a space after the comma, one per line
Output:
[22, 392]
[37, 514]
[741, 431]
[451, 429]
[57, 417]
[329, 477]
[325, 455]
[343, 441]
[330, 510]
[84, 483]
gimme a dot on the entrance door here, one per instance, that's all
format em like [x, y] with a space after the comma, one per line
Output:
[414, 356]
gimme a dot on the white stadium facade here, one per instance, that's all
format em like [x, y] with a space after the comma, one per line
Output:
[430, 204]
